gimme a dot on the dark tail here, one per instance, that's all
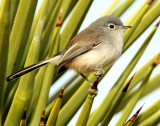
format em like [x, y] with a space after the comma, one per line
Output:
[27, 69]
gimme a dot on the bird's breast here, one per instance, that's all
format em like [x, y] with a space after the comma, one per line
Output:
[100, 56]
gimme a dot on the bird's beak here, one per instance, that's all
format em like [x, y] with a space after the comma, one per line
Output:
[126, 27]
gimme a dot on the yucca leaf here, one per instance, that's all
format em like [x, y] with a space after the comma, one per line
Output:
[42, 117]
[147, 113]
[147, 19]
[139, 74]
[134, 15]
[153, 84]
[130, 122]
[152, 120]
[136, 21]
[51, 7]
[68, 83]
[55, 110]
[49, 31]
[36, 91]
[19, 34]
[112, 110]
[4, 44]
[39, 29]
[9, 99]
[74, 103]
[14, 7]
[40, 75]
[23, 119]
[46, 83]
[67, 94]
[111, 7]
[25, 88]
[30, 37]
[122, 8]
[131, 103]
[74, 22]
[67, 6]
[85, 112]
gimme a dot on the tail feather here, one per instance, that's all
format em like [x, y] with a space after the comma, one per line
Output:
[27, 69]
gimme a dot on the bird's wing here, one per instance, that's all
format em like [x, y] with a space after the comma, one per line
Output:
[75, 51]
[80, 44]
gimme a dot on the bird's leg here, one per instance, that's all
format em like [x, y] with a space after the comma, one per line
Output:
[91, 93]
[86, 79]
[100, 72]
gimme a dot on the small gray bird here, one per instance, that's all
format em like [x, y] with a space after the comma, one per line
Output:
[94, 48]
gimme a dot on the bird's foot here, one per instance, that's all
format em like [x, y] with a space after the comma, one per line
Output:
[93, 94]
[99, 73]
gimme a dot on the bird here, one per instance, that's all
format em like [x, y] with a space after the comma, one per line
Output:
[94, 48]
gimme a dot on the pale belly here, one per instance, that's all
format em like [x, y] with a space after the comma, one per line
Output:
[98, 58]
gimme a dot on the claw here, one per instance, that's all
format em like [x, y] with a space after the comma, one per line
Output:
[93, 94]
[99, 73]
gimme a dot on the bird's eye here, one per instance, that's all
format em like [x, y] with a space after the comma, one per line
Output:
[111, 26]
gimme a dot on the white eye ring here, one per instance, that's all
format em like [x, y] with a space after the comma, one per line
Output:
[111, 26]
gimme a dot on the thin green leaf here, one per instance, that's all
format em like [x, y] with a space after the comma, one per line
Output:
[122, 8]
[49, 31]
[74, 22]
[153, 84]
[55, 110]
[25, 88]
[4, 44]
[67, 6]
[19, 34]
[132, 102]
[137, 11]
[84, 115]
[52, 98]
[132, 119]
[147, 19]
[23, 119]
[67, 94]
[147, 113]
[14, 7]
[112, 110]
[151, 121]
[74, 103]
[46, 83]
[136, 21]
[111, 7]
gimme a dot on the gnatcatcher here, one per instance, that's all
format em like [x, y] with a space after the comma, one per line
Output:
[94, 48]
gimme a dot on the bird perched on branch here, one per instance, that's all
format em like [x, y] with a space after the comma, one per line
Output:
[94, 48]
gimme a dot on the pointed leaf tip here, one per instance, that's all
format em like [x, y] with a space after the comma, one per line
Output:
[156, 60]
[127, 85]
[94, 86]
[24, 113]
[132, 119]
[59, 19]
[136, 114]
[150, 2]
[61, 93]
[157, 24]
[42, 117]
